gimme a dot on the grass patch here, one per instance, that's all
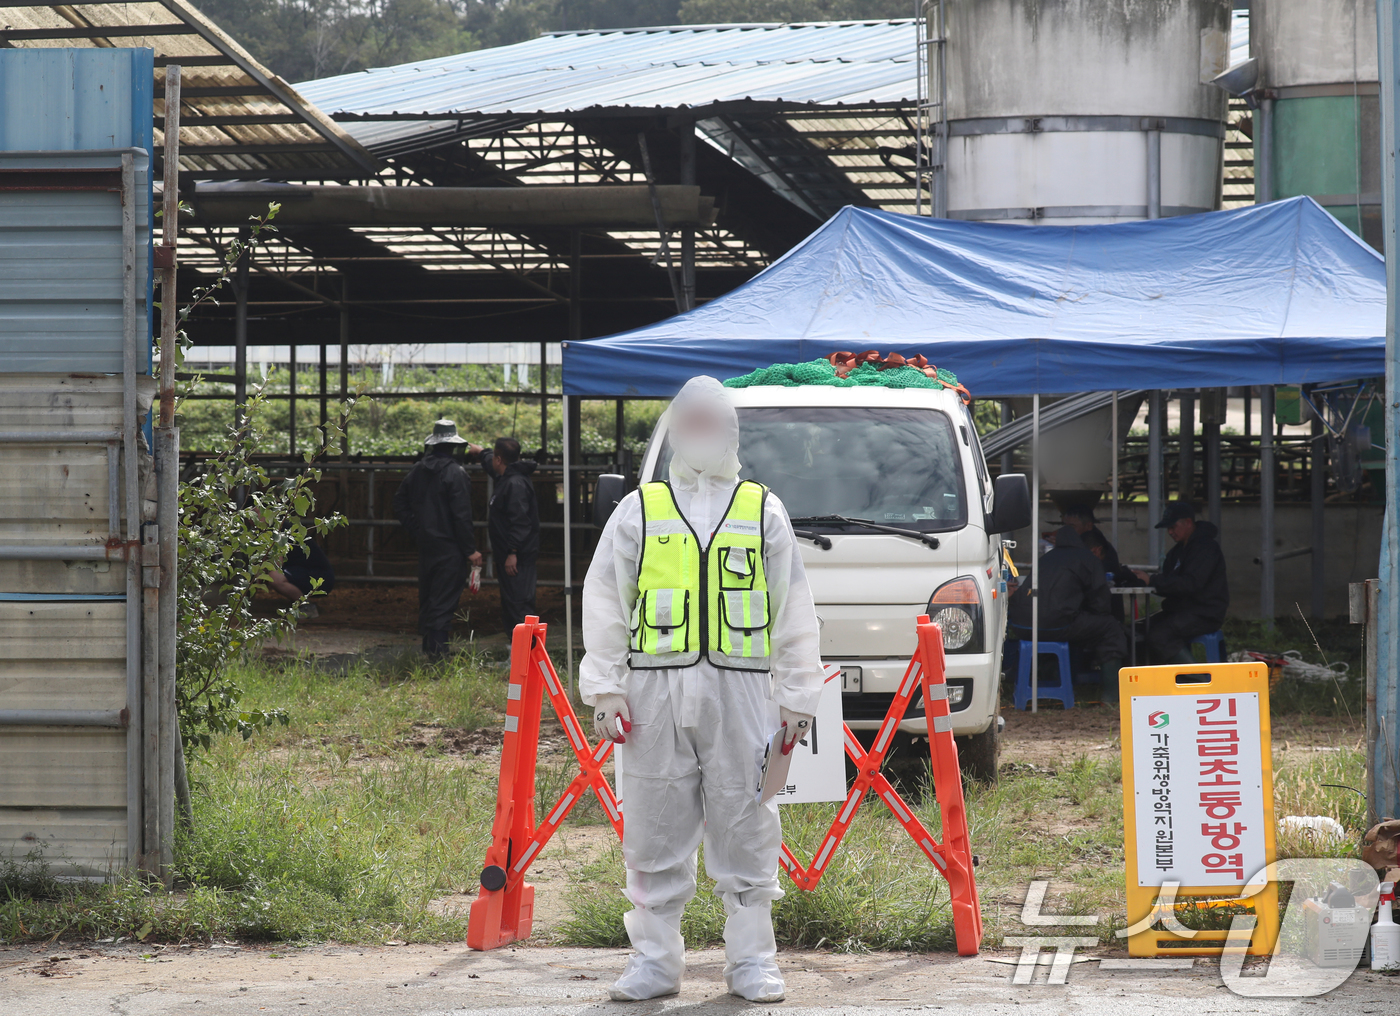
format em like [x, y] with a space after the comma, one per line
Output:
[341, 825]
[366, 813]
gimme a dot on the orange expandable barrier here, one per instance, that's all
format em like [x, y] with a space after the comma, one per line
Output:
[503, 911]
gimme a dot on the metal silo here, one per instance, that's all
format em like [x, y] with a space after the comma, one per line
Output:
[1320, 106]
[1078, 111]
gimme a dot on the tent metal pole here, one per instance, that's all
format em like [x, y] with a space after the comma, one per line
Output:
[1317, 469]
[544, 401]
[1385, 789]
[1006, 465]
[1035, 554]
[1186, 447]
[1156, 411]
[1266, 503]
[568, 552]
[1115, 471]
[1210, 436]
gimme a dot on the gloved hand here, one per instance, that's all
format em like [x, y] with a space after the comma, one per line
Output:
[612, 718]
[798, 724]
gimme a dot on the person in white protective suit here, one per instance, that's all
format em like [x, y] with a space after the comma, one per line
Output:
[701, 639]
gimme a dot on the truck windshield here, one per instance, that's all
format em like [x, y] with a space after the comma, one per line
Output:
[897, 467]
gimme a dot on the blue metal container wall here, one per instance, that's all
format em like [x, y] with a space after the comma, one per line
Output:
[60, 251]
[64, 100]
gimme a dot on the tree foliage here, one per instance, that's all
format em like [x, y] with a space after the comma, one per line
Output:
[237, 524]
[306, 39]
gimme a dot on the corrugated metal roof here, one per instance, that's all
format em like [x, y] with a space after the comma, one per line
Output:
[239, 120]
[781, 66]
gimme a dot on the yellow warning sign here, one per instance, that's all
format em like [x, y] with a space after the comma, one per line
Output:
[1198, 807]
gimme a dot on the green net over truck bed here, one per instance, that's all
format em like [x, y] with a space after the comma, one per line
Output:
[821, 372]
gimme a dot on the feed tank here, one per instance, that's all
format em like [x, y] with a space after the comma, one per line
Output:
[1078, 111]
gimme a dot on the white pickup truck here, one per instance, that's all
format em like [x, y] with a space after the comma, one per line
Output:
[896, 516]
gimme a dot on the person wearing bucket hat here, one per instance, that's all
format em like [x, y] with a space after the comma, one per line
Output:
[1192, 583]
[434, 505]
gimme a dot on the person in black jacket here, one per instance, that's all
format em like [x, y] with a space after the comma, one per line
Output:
[296, 579]
[515, 529]
[1195, 593]
[1074, 607]
[434, 504]
[1081, 517]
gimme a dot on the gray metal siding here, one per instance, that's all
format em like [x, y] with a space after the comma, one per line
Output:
[63, 793]
[61, 269]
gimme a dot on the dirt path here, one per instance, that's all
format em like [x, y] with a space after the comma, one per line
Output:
[534, 981]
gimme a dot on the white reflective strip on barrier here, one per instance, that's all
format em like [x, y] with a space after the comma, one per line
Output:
[602, 750]
[886, 732]
[851, 742]
[893, 801]
[549, 678]
[607, 803]
[851, 803]
[512, 723]
[559, 811]
[936, 693]
[525, 857]
[513, 692]
[573, 733]
[932, 852]
[908, 684]
[826, 852]
[942, 724]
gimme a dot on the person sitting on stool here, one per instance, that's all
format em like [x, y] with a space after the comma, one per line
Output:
[1074, 608]
[1192, 584]
[1081, 517]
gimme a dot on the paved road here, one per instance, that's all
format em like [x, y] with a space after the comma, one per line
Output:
[536, 981]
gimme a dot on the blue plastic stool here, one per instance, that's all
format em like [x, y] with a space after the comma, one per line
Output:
[1064, 691]
[1213, 644]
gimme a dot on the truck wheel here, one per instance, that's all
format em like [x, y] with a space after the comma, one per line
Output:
[977, 753]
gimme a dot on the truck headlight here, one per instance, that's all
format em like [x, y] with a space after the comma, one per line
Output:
[956, 607]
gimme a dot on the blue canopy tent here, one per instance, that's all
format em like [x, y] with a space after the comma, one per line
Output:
[1269, 294]
[1280, 293]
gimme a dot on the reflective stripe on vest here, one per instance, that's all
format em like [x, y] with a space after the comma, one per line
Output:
[693, 602]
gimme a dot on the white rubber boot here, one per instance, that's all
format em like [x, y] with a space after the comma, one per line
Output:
[751, 968]
[658, 961]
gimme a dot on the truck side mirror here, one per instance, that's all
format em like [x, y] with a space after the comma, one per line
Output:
[1011, 505]
[607, 492]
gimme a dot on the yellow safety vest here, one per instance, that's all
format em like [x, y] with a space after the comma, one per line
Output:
[694, 601]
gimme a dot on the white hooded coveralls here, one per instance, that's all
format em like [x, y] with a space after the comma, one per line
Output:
[691, 761]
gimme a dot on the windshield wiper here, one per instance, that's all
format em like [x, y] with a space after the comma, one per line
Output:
[821, 541]
[929, 540]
